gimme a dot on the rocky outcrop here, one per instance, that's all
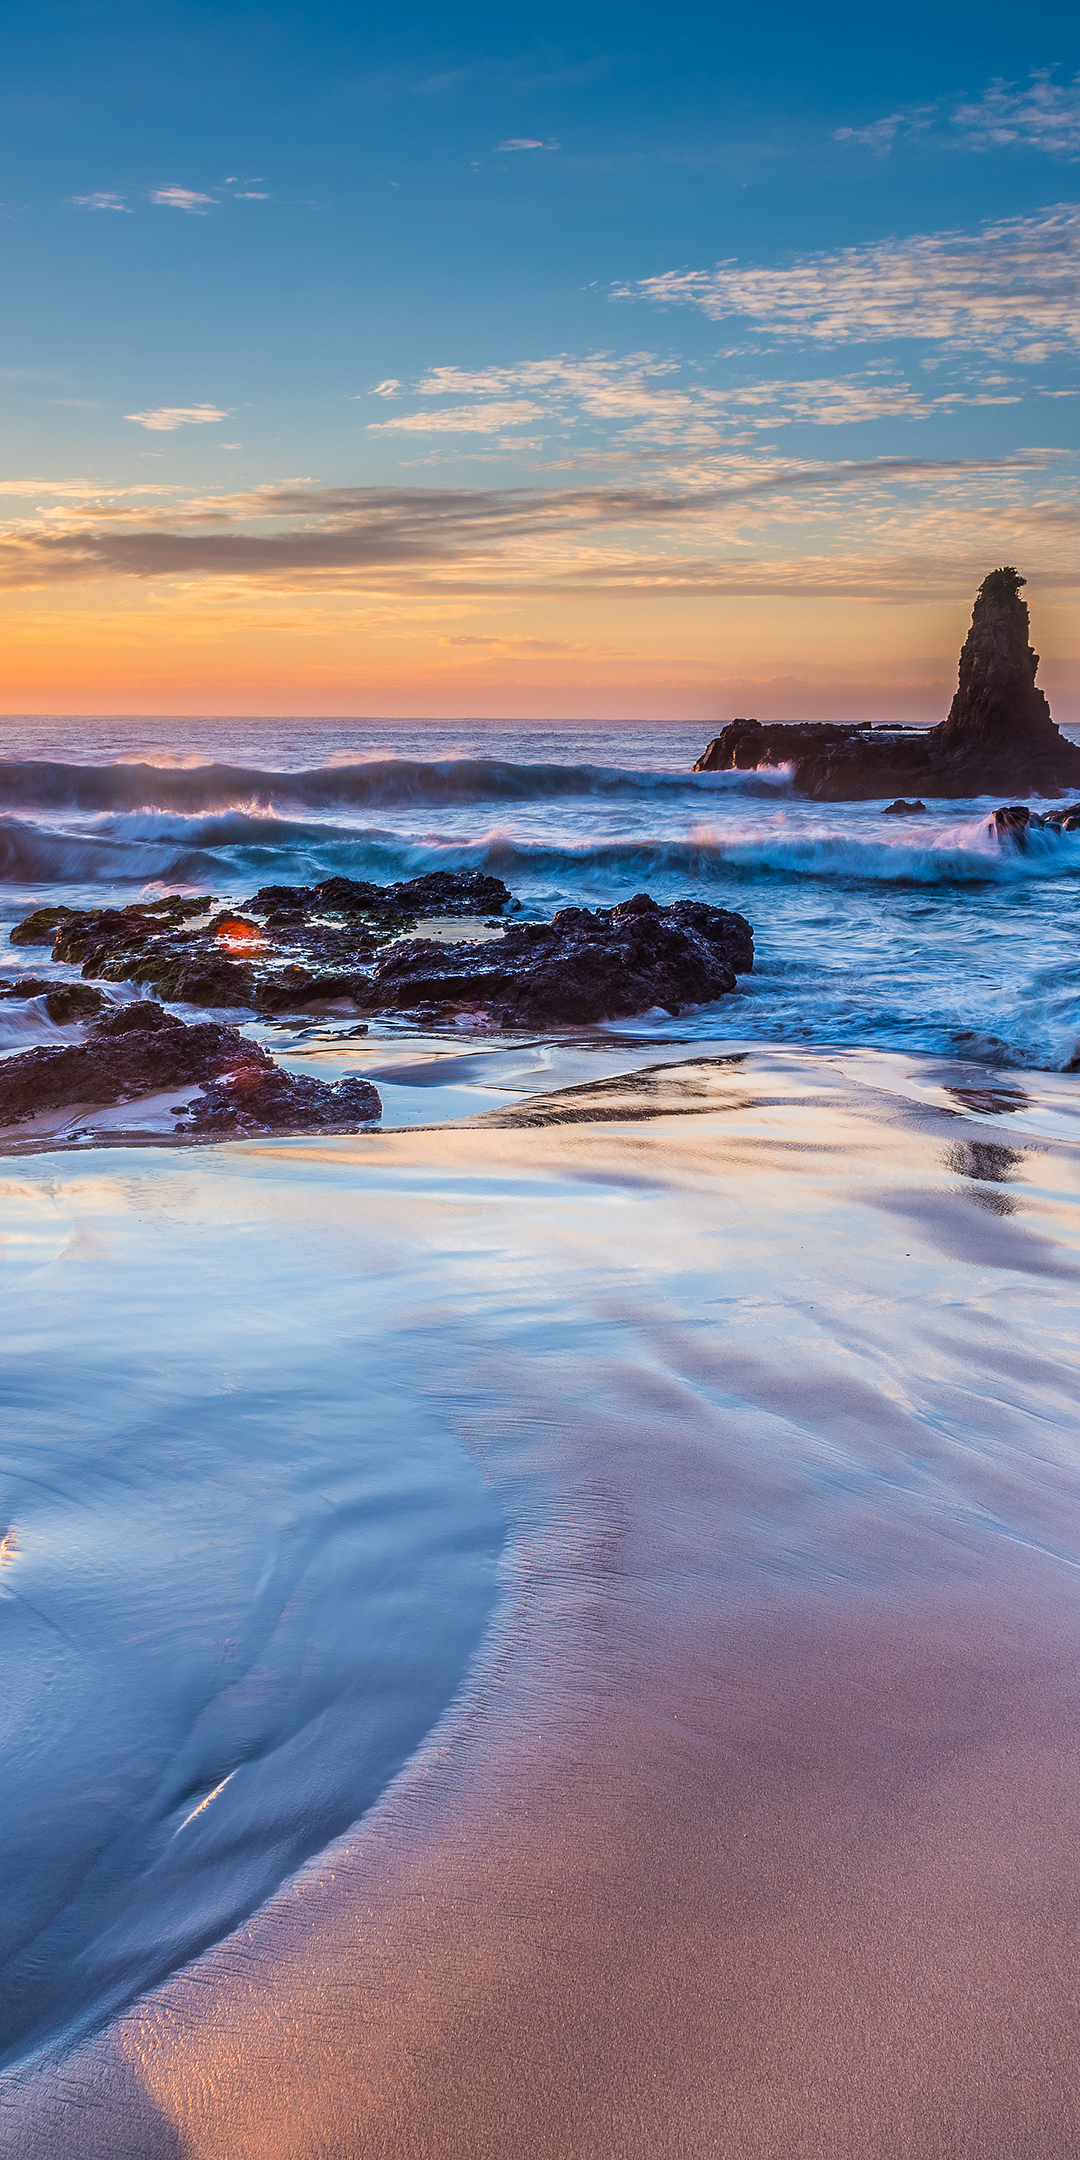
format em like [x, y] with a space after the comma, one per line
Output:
[138, 1050]
[1016, 823]
[586, 965]
[999, 736]
[746, 744]
[287, 947]
[580, 967]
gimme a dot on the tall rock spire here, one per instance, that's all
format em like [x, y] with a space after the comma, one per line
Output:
[999, 738]
[997, 708]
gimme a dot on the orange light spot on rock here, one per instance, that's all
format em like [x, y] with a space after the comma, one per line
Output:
[238, 935]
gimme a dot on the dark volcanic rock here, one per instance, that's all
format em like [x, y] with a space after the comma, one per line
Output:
[310, 942]
[26, 986]
[1015, 822]
[584, 966]
[903, 809]
[579, 968]
[41, 927]
[138, 1049]
[441, 892]
[999, 736]
[73, 1001]
[746, 744]
[261, 1098]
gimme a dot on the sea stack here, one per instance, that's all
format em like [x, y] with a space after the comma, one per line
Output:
[999, 738]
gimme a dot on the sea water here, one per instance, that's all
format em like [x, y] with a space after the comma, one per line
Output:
[245, 1560]
[919, 933]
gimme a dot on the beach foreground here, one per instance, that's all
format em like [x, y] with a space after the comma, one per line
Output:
[752, 1831]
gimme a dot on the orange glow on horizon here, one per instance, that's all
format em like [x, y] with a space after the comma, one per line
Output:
[128, 649]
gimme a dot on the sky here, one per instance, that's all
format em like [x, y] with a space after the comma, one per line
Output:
[584, 361]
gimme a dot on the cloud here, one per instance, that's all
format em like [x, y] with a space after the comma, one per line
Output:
[1045, 116]
[1012, 288]
[881, 134]
[182, 198]
[167, 417]
[626, 539]
[484, 419]
[389, 388]
[651, 409]
[526, 142]
[100, 202]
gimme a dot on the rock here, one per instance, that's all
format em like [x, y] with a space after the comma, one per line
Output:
[1011, 822]
[999, 735]
[1015, 822]
[441, 892]
[585, 966]
[40, 928]
[581, 967]
[73, 1001]
[903, 809]
[134, 1051]
[745, 744]
[26, 986]
[451, 892]
[309, 943]
[253, 1099]
[139, 1049]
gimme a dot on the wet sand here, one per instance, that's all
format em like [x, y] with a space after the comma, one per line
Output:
[754, 1832]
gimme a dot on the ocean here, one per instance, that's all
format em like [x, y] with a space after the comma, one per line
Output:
[918, 933]
[390, 1510]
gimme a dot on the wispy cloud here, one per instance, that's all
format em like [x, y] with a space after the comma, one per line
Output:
[481, 419]
[880, 135]
[182, 198]
[1041, 115]
[526, 142]
[651, 400]
[166, 417]
[1011, 289]
[1044, 116]
[293, 536]
[100, 202]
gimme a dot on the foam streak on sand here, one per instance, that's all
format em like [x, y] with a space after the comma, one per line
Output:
[754, 1831]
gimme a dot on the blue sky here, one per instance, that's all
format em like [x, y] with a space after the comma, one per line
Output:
[464, 345]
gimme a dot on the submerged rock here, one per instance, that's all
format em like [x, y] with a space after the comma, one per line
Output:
[27, 986]
[1015, 822]
[999, 735]
[137, 1050]
[582, 966]
[903, 809]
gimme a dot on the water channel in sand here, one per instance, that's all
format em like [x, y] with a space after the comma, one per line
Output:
[752, 1828]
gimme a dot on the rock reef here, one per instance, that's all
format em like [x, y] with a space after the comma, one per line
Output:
[999, 737]
[287, 947]
[341, 942]
[584, 965]
[139, 1049]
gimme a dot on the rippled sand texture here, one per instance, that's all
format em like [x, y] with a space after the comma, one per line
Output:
[755, 1832]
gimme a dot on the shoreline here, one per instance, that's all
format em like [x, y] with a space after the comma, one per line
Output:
[753, 1829]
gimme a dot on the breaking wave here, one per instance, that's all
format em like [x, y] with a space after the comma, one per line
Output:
[43, 784]
[150, 847]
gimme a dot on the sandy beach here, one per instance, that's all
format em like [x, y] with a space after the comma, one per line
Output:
[752, 1831]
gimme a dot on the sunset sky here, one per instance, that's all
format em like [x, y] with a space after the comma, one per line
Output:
[562, 362]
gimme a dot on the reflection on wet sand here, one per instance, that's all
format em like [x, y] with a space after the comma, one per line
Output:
[754, 1831]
